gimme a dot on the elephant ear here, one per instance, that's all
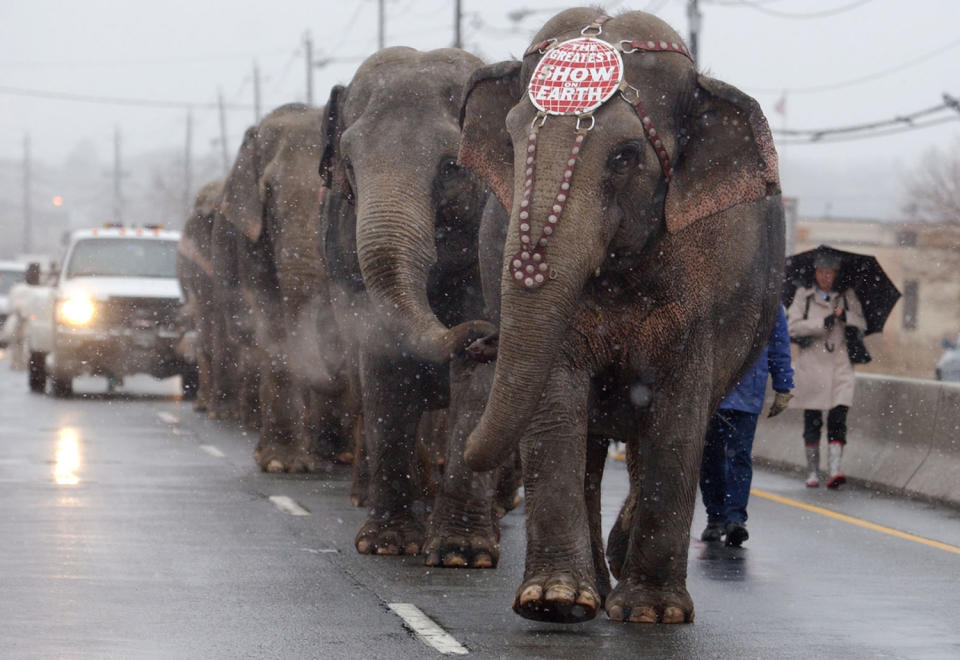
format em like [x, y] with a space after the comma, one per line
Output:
[485, 146]
[331, 134]
[729, 158]
[242, 193]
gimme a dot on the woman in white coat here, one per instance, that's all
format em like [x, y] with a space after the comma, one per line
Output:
[817, 319]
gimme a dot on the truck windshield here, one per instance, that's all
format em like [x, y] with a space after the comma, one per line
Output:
[8, 278]
[123, 257]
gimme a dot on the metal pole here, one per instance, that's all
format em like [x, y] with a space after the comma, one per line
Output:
[693, 19]
[256, 93]
[223, 133]
[457, 17]
[117, 169]
[187, 165]
[27, 219]
[308, 47]
[380, 25]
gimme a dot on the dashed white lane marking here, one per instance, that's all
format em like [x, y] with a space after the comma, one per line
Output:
[213, 451]
[287, 505]
[427, 629]
[169, 418]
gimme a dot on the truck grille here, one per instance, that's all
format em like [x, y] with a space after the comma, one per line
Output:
[140, 313]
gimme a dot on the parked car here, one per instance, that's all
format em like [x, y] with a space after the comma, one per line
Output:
[948, 368]
[11, 273]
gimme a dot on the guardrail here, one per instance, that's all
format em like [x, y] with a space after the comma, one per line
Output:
[903, 436]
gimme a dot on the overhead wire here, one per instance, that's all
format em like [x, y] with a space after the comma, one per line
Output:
[791, 15]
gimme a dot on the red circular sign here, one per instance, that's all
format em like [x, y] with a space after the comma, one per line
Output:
[576, 77]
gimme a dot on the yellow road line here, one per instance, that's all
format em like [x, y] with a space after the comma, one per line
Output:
[856, 521]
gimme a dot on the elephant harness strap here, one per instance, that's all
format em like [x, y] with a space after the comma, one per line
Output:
[575, 78]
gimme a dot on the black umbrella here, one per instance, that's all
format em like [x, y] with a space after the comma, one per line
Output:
[860, 272]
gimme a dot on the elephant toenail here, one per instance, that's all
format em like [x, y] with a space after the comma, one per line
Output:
[531, 594]
[388, 550]
[454, 561]
[643, 615]
[482, 560]
[615, 612]
[561, 594]
[363, 547]
[673, 615]
[411, 549]
[275, 466]
[587, 600]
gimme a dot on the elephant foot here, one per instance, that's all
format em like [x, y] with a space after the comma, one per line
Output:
[637, 603]
[286, 458]
[459, 538]
[557, 598]
[397, 535]
[199, 405]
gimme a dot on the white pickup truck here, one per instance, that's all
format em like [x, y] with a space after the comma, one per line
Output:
[112, 310]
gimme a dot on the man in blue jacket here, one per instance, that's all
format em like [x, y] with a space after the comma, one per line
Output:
[727, 468]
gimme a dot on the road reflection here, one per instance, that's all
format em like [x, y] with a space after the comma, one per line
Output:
[67, 462]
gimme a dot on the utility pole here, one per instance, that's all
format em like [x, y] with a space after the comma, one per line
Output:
[187, 165]
[117, 176]
[308, 47]
[380, 12]
[694, 18]
[457, 17]
[223, 132]
[27, 245]
[256, 93]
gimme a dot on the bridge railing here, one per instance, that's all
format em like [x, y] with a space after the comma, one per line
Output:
[903, 436]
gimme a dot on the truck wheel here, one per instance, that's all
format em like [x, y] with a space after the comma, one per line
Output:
[62, 386]
[190, 383]
[37, 372]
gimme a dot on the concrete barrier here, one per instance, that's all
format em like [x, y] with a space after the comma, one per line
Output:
[903, 436]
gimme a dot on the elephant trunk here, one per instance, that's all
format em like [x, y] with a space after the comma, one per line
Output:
[532, 328]
[396, 248]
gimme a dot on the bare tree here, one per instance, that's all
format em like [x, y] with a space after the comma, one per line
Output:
[933, 187]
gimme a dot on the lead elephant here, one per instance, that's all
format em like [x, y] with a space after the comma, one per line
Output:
[643, 259]
[196, 275]
[272, 198]
[402, 250]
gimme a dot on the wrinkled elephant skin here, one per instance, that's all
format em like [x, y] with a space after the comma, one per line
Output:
[401, 245]
[660, 291]
[272, 200]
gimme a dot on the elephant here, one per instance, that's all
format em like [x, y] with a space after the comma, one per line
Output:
[196, 275]
[641, 272]
[401, 248]
[272, 199]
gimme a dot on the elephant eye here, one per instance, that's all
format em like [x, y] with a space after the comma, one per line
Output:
[625, 158]
[448, 168]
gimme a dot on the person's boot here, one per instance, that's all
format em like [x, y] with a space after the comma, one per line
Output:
[837, 478]
[713, 532]
[736, 533]
[813, 465]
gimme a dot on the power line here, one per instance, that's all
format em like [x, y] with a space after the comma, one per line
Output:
[880, 133]
[113, 100]
[897, 124]
[783, 14]
[867, 78]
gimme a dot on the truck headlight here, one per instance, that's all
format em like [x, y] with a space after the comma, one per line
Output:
[76, 311]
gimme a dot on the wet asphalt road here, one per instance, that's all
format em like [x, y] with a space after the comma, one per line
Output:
[132, 527]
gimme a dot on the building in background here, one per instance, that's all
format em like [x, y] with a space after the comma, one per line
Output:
[923, 260]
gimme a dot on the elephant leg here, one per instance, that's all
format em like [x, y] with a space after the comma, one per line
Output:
[284, 445]
[392, 406]
[361, 469]
[560, 582]
[597, 448]
[463, 530]
[664, 463]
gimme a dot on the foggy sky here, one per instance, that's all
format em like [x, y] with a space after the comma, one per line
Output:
[184, 51]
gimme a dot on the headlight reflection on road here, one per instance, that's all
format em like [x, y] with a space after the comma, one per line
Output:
[67, 461]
